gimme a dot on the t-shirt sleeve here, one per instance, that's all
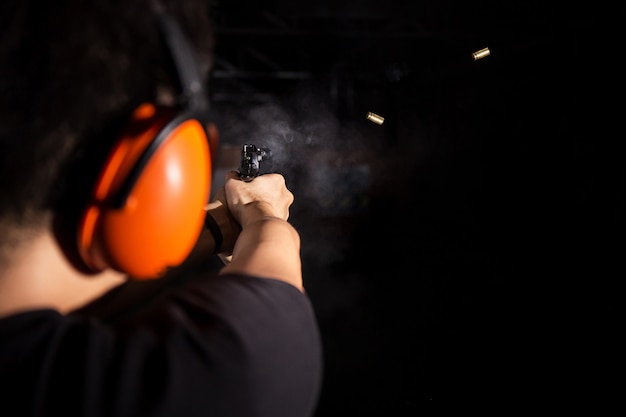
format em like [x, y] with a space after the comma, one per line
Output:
[229, 345]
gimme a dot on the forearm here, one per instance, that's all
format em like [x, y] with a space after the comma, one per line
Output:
[268, 247]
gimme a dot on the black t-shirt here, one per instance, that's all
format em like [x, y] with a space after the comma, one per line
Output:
[226, 345]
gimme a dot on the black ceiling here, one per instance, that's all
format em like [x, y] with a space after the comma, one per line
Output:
[266, 46]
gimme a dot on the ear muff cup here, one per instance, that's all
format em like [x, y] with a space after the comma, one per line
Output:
[146, 212]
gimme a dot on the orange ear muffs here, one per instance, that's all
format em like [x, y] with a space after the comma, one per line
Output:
[146, 212]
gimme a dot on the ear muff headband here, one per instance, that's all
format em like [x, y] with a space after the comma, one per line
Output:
[189, 78]
[193, 95]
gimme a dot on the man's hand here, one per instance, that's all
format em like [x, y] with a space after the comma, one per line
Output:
[266, 196]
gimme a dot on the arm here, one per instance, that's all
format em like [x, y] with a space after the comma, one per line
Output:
[257, 239]
[268, 245]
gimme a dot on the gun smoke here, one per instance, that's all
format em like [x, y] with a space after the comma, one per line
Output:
[328, 165]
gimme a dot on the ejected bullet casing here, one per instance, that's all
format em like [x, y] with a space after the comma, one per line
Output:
[480, 54]
[375, 118]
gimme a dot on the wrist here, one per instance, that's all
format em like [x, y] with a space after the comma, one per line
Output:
[222, 227]
[258, 212]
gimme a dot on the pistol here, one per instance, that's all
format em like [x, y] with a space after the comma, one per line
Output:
[251, 157]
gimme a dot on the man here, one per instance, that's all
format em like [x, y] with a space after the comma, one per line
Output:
[82, 331]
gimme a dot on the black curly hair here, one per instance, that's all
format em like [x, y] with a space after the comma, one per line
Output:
[71, 71]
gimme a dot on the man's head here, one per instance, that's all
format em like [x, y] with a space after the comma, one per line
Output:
[71, 74]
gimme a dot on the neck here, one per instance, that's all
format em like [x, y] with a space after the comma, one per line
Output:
[37, 275]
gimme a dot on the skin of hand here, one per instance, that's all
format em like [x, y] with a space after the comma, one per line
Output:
[218, 209]
[266, 195]
[268, 245]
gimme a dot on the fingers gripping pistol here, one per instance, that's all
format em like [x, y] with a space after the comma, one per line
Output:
[251, 157]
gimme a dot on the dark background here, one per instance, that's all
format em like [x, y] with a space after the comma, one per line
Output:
[468, 251]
